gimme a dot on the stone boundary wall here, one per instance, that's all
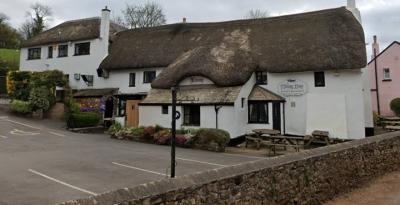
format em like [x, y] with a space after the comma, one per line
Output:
[310, 177]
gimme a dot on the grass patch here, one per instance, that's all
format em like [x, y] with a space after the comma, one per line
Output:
[11, 56]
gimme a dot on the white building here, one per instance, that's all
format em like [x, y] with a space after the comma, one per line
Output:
[295, 73]
[75, 47]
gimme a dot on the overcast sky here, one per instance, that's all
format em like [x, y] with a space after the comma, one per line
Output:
[380, 17]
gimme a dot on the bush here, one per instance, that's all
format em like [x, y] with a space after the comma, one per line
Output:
[208, 136]
[148, 132]
[81, 120]
[39, 98]
[116, 127]
[21, 107]
[163, 137]
[137, 132]
[395, 106]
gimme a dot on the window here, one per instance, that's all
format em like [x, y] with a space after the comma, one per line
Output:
[164, 109]
[82, 49]
[258, 112]
[121, 107]
[149, 76]
[34, 53]
[132, 78]
[50, 52]
[62, 50]
[386, 74]
[261, 78]
[319, 79]
[191, 115]
[88, 79]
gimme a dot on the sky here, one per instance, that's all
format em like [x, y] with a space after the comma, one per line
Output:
[380, 17]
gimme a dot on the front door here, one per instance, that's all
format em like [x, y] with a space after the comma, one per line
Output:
[132, 113]
[276, 116]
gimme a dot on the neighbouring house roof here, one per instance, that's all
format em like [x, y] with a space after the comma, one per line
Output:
[208, 94]
[76, 30]
[262, 94]
[384, 50]
[229, 52]
[95, 92]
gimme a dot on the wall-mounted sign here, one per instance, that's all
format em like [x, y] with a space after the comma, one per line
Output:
[292, 87]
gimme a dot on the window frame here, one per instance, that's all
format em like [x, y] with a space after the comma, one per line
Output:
[319, 79]
[50, 52]
[122, 107]
[76, 49]
[190, 119]
[261, 78]
[31, 55]
[146, 79]
[384, 74]
[258, 120]
[130, 79]
[165, 109]
[66, 51]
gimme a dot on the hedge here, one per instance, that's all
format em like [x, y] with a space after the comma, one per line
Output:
[21, 107]
[84, 119]
[209, 135]
[395, 106]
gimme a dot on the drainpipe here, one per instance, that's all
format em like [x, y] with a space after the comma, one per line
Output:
[376, 82]
[216, 108]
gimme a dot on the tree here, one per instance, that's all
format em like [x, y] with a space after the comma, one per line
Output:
[256, 14]
[9, 37]
[38, 17]
[148, 15]
[3, 18]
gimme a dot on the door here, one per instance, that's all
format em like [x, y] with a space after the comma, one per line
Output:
[109, 108]
[132, 113]
[276, 116]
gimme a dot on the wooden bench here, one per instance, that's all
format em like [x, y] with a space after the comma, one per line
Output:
[393, 128]
[317, 137]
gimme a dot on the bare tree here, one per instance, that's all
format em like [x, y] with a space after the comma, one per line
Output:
[38, 17]
[256, 14]
[148, 15]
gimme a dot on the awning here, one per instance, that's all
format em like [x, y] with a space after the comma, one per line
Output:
[205, 95]
[262, 94]
[84, 93]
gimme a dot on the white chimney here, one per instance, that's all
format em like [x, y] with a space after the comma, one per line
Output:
[375, 47]
[351, 6]
[105, 27]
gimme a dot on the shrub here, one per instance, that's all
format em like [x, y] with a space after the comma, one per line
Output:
[80, 120]
[137, 132]
[207, 136]
[21, 107]
[163, 137]
[39, 98]
[395, 106]
[148, 132]
[181, 140]
[116, 127]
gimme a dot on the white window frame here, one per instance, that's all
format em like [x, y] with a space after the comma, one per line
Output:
[386, 74]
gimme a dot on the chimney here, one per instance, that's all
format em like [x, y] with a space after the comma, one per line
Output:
[184, 20]
[375, 47]
[105, 27]
[351, 6]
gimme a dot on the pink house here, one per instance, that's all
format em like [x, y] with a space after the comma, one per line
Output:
[384, 73]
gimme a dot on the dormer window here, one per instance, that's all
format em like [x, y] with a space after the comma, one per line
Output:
[63, 50]
[149, 76]
[261, 78]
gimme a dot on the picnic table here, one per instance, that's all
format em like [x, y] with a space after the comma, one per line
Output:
[273, 139]
[318, 137]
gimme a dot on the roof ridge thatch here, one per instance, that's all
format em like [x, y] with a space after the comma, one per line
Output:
[229, 52]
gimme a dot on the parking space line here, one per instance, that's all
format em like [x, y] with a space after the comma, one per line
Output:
[201, 162]
[61, 182]
[140, 169]
[56, 134]
[23, 124]
[4, 137]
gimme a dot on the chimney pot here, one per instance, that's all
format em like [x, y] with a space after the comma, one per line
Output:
[184, 20]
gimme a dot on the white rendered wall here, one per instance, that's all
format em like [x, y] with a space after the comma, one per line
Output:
[120, 79]
[84, 64]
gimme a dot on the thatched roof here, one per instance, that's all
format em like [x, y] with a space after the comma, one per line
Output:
[207, 94]
[84, 93]
[76, 30]
[229, 52]
[261, 94]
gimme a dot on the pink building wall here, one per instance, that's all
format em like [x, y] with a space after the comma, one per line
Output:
[388, 89]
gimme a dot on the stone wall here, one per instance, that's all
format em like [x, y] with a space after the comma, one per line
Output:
[310, 177]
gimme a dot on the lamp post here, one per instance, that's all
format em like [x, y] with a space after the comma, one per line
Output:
[173, 126]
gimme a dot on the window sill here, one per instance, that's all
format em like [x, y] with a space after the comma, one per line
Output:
[186, 125]
[132, 86]
[33, 59]
[81, 54]
[387, 80]
[258, 123]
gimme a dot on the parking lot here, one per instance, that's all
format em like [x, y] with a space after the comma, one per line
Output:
[41, 164]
